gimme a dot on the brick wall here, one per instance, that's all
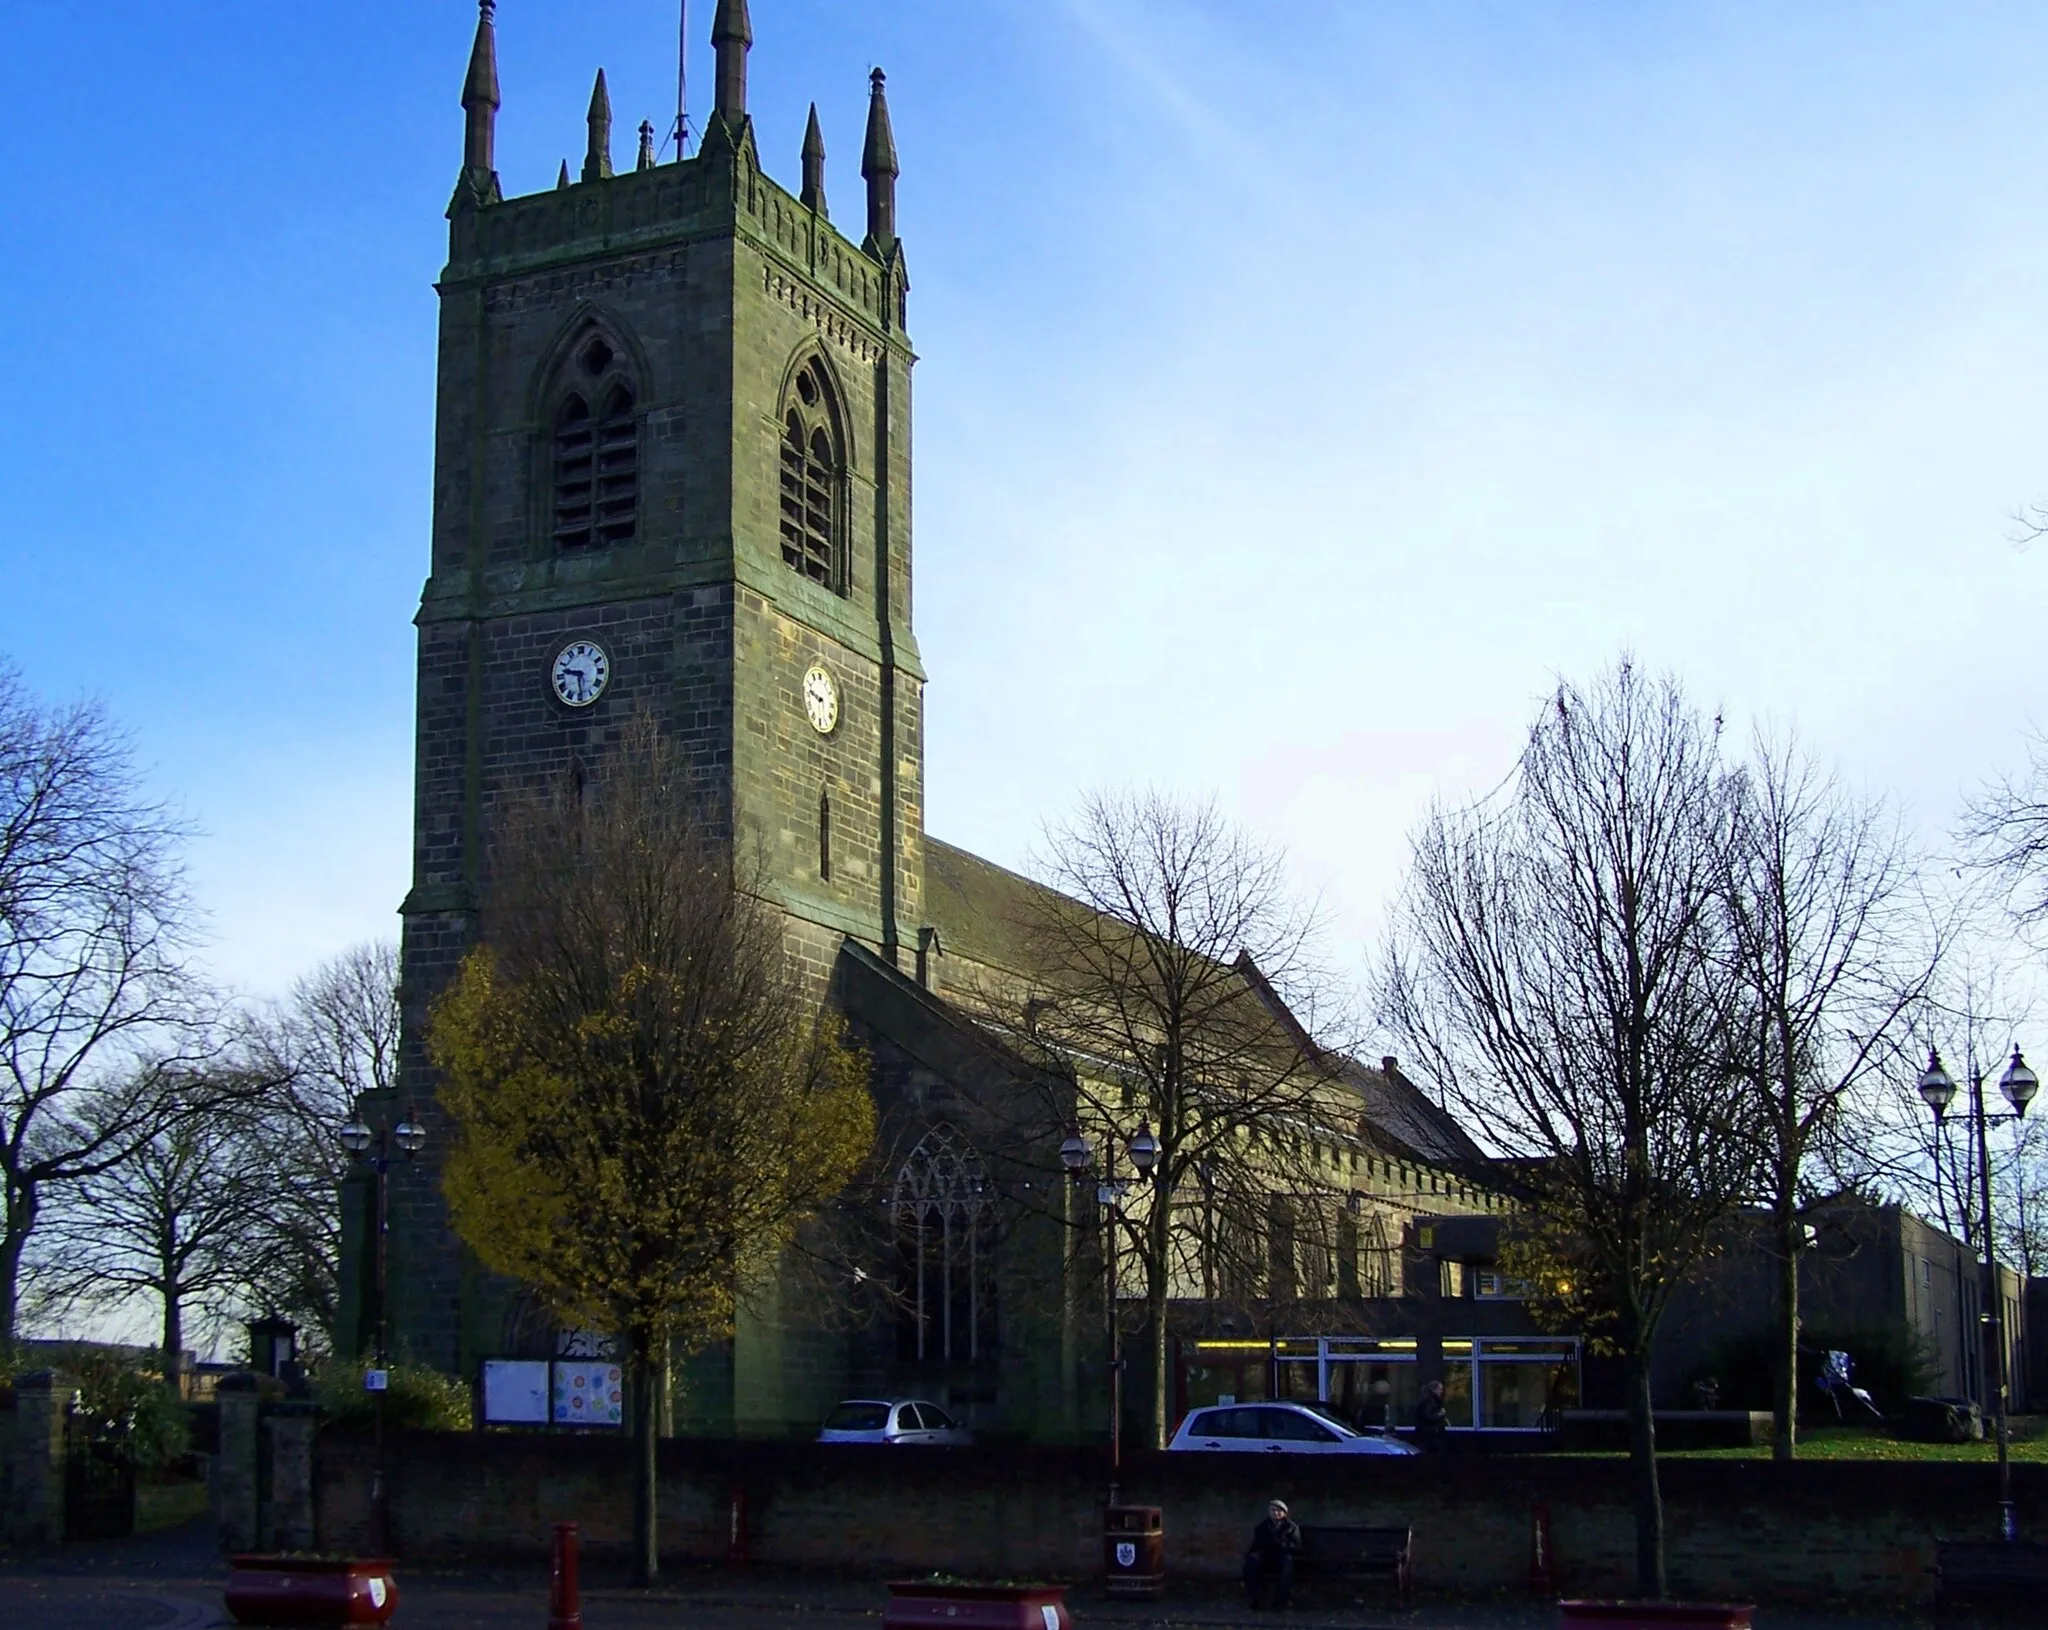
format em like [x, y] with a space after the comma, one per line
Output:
[1737, 1528]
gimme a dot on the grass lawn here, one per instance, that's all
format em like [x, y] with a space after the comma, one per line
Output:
[2029, 1442]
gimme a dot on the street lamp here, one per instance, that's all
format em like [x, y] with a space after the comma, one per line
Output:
[1938, 1091]
[358, 1137]
[1075, 1155]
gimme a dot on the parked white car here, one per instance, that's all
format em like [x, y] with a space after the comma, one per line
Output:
[886, 1420]
[1280, 1429]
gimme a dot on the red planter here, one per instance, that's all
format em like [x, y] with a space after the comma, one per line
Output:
[932, 1604]
[290, 1590]
[1654, 1615]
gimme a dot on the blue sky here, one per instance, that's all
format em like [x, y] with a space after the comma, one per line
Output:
[1302, 388]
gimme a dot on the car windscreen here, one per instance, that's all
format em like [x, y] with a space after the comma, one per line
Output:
[1343, 1426]
[858, 1418]
[1287, 1426]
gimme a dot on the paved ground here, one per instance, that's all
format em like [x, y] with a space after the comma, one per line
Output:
[173, 1582]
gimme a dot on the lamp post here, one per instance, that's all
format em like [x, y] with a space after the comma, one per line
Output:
[1075, 1155]
[358, 1138]
[1938, 1091]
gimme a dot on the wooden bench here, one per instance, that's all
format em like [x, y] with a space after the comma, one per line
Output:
[1353, 1554]
[1980, 1568]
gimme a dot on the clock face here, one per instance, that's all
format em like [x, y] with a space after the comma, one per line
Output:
[821, 701]
[580, 673]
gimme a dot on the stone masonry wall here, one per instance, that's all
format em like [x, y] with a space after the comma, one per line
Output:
[710, 285]
[1741, 1529]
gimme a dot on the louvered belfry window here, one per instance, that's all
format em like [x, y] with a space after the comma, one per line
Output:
[811, 480]
[596, 456]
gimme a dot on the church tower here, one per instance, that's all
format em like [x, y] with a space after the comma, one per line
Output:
[671, 473]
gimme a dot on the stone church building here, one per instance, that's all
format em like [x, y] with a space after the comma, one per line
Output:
[672, 473]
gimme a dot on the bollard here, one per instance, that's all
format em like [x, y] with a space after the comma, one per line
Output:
[1542, 1560]
[565, 1605]
[736, 1534]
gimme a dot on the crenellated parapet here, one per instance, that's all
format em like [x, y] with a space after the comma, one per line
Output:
[721, 191]
[669, 205]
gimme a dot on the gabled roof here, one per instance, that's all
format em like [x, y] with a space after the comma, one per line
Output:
[982, 910]
[1398, 1109]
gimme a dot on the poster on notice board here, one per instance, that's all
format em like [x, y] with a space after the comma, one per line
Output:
[588, 1394]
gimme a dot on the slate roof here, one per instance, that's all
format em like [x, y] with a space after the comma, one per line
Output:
[1399, 1109]
[981, 911]
[979, 908]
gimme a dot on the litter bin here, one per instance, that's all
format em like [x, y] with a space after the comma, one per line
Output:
[1133, 1551]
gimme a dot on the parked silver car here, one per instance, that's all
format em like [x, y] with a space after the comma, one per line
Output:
[905, 1420]
[1280, 1429]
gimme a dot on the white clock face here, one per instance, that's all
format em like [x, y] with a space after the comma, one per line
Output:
[821, 701]
[580, 673]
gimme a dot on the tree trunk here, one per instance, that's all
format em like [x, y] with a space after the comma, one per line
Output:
[646, 1435]
[22, 1204]
[1649, 1499]
[1157, 1286]
[174, 1335]
[1785, 1406]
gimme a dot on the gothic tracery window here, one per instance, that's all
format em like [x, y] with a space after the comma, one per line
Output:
[813, 478]
[596, 451]
[1380, 1273]
[945, 1238]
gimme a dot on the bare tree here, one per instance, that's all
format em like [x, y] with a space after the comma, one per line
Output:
[1164, 963]
[333, 1041]
[171, 1222]
[1829, 943]
[2005, 831]
[1898, 1150]
[1556, 962]
[2023, 1196]
[96, 1006]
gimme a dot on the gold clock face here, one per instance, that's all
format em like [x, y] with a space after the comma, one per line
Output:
[821, 701]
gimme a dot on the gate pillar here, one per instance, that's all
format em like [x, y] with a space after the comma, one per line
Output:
[41, 1398]
[237, 1476]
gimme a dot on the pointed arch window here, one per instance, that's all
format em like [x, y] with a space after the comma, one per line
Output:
[945, 1254]
[596, 451]
[813, 454]
[1381, 1276]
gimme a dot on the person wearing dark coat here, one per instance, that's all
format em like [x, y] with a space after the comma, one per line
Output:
[1432, 1421]
[1271, 1557]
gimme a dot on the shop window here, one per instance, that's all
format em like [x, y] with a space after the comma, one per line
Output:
[1491, 1285]
[1458, 1383]
[1376, 1394]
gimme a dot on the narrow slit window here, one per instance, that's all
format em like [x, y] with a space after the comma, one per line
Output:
[825, 836]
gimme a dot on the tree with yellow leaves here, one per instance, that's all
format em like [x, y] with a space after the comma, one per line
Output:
[647, 1106]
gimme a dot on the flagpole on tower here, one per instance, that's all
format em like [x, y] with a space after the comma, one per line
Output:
[680, 133]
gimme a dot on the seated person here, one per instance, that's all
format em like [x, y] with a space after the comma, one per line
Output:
[1274, 1543]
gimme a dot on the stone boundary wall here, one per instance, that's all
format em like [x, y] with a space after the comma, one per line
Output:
[1745, 1529]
